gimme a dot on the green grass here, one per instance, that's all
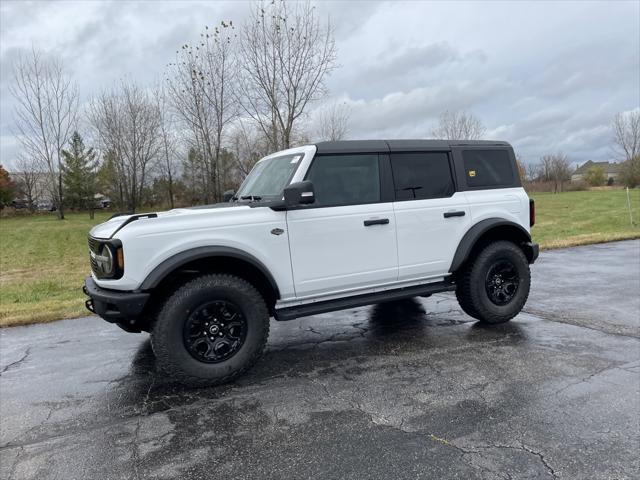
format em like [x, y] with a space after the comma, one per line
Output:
[580, 218]
[43, 261]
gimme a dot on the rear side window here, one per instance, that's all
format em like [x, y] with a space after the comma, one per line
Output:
[421, 175]
[488, 168]
[345, 179]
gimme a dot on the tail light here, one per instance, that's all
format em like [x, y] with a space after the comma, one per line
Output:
[532, 212]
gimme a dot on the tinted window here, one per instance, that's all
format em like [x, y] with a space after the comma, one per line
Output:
[421, 175]
[487, 168]
[345, 179]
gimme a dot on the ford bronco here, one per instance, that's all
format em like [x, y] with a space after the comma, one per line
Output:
[314, 229]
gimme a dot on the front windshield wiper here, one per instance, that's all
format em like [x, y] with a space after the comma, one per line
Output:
[251, 198]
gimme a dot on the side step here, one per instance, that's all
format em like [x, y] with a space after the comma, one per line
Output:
[291, 313]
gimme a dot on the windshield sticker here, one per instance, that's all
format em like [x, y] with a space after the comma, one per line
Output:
[296, 158]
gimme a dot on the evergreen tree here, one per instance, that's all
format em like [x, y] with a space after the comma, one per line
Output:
[79, 174]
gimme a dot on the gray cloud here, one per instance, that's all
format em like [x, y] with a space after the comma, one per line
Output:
[545, 76]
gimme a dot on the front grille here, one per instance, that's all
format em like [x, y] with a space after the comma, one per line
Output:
[94, 246]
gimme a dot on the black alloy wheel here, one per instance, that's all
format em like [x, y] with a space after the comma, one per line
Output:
[215, 331]
[502, 282]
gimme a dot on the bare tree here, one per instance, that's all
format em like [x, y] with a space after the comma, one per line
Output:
[30, 179]
[334, 122]
[286, 56]
[459, 126]
[168, 143]
[127, 124]
[626, 134]
[201, 84]
[533, 172]
[557, 169]
[248, 145]
[46, 114]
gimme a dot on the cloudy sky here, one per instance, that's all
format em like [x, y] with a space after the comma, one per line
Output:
[546, 76]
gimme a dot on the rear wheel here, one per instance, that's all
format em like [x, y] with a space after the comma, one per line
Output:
[211, 330]
[495, 286]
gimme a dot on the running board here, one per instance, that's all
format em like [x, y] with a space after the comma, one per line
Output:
[291, 313]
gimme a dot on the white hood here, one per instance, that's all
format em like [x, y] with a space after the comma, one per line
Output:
[111, 226]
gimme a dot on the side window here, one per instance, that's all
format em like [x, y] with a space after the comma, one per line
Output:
[487, 168]
[421, 175]
[345, 179]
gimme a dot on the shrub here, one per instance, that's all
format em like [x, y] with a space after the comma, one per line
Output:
[595, 176]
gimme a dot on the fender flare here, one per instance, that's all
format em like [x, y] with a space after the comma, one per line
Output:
[161, 271]
[476, 232]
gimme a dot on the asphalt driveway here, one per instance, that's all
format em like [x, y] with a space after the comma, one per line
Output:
[414, 389]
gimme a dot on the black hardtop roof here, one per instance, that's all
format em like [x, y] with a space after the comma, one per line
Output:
[373, 146]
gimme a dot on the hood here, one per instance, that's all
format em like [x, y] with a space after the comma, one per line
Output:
[116, 223]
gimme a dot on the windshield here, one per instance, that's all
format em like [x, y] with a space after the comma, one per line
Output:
[269, 177]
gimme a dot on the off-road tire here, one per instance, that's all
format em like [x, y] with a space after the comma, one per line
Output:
[472, 293]
[169, 348]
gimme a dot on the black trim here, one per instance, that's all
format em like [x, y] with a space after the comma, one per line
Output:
[460, 213]
[377, 221]
[291, 313]
[133, 218]
[385, 146]
[112, 305]
[474, 233]
[531, 250]
[165, 268]
[387, 192]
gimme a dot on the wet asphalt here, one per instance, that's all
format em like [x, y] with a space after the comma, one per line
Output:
[413, 389]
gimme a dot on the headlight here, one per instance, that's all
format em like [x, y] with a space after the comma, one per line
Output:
[105, 260]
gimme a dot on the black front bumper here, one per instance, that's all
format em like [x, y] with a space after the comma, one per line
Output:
[124, 308]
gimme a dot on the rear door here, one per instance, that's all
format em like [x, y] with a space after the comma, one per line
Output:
[346, 240]
[431, 216]
[491, 183]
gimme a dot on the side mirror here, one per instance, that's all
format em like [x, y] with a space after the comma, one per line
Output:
[299, 193]
[228, 195]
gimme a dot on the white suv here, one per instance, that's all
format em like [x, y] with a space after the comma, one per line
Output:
[313, 229]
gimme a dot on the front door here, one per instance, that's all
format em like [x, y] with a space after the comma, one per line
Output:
[346, 239]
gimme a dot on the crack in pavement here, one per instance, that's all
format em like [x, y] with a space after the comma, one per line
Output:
[17, 362]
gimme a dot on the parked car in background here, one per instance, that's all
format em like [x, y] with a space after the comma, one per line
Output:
[19, 204]
[45, 206]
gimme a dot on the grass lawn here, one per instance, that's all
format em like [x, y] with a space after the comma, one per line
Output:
[579, 218]
[43, 261]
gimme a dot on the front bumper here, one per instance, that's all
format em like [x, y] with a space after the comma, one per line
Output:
[123, 308]
[531, 250]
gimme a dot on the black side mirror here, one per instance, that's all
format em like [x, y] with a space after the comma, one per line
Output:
[299, 193]
[228, 195]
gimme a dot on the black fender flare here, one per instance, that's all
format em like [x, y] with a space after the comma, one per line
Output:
[477, 231]
[169, 265]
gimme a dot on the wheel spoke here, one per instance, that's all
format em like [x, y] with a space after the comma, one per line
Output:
[502, 282]
[215, 331]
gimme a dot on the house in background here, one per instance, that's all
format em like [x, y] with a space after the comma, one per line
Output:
[611, 170]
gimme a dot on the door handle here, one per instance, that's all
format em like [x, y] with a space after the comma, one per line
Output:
[459, 213]
[377, 221]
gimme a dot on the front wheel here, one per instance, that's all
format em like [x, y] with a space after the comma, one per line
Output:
[495, 286]
[211, 330]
